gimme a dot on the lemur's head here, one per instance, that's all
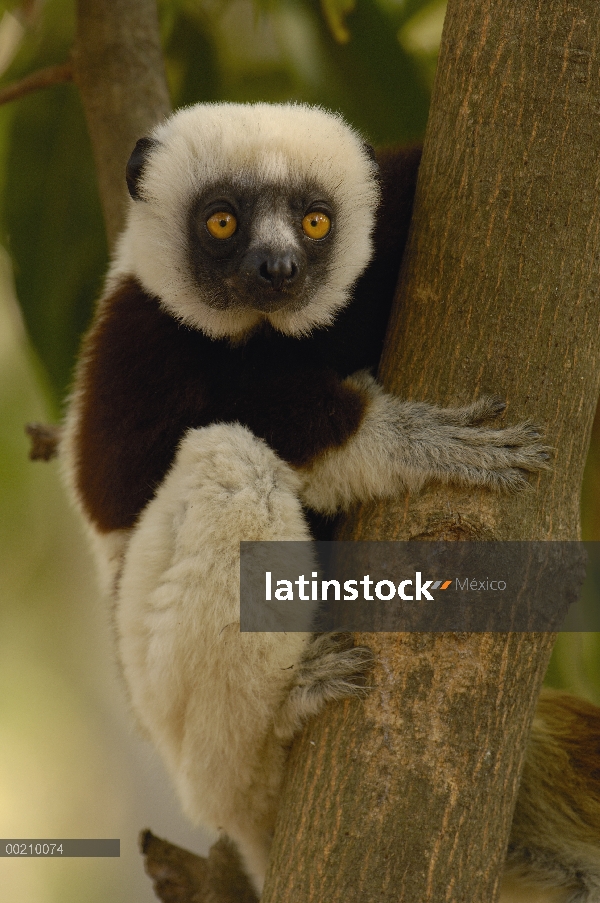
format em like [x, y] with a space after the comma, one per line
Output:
[243, 213]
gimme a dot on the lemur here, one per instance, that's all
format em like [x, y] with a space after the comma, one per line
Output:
[225, 392]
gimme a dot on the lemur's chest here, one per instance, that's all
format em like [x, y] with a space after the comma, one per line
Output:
[296, 403]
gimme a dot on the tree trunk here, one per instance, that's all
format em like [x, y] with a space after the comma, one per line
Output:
[409, 796]
[119, 70]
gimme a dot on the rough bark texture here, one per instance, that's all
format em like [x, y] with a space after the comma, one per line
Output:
[119, 70]
[409, 796]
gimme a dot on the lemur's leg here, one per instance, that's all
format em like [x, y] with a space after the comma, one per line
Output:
[209, 696]
[402, 444]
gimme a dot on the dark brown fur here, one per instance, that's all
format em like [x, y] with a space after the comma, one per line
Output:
[574, 724]
[555, 837]
[146, 379]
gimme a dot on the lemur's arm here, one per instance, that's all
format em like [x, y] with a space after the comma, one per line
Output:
[402, 444]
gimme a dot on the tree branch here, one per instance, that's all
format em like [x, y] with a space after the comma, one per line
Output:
[182, 877]
[120, 72]
[44, 441]
[43, 78]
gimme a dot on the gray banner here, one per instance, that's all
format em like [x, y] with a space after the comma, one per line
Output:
[57, 848]
[419, 586]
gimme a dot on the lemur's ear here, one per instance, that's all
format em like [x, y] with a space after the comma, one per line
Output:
[135, 165]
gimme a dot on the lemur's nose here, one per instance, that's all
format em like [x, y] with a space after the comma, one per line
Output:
[279, 269]
[277, 275]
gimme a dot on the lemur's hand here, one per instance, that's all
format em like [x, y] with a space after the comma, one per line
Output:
[403, 444]
[454, 444]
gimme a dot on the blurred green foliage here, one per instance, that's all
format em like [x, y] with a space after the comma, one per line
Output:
[51, 220]
[231, 50]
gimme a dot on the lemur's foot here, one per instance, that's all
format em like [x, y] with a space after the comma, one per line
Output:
[331, 669]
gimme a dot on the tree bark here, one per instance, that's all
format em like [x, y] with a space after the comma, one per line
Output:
[410, 795]
[120, 72]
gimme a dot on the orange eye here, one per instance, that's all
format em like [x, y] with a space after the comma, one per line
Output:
[316, 224]
[221, 224]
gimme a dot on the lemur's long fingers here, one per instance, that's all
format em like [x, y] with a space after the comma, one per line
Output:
[488, 407]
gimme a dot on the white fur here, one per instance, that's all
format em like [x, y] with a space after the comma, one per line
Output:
[222, 706]
[206, 694]
[273, 228]
[273, 144]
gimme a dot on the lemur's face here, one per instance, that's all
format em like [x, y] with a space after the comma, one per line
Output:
[265, 248]
[246, 213]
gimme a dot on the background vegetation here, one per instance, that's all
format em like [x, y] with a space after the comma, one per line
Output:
[69, 762]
